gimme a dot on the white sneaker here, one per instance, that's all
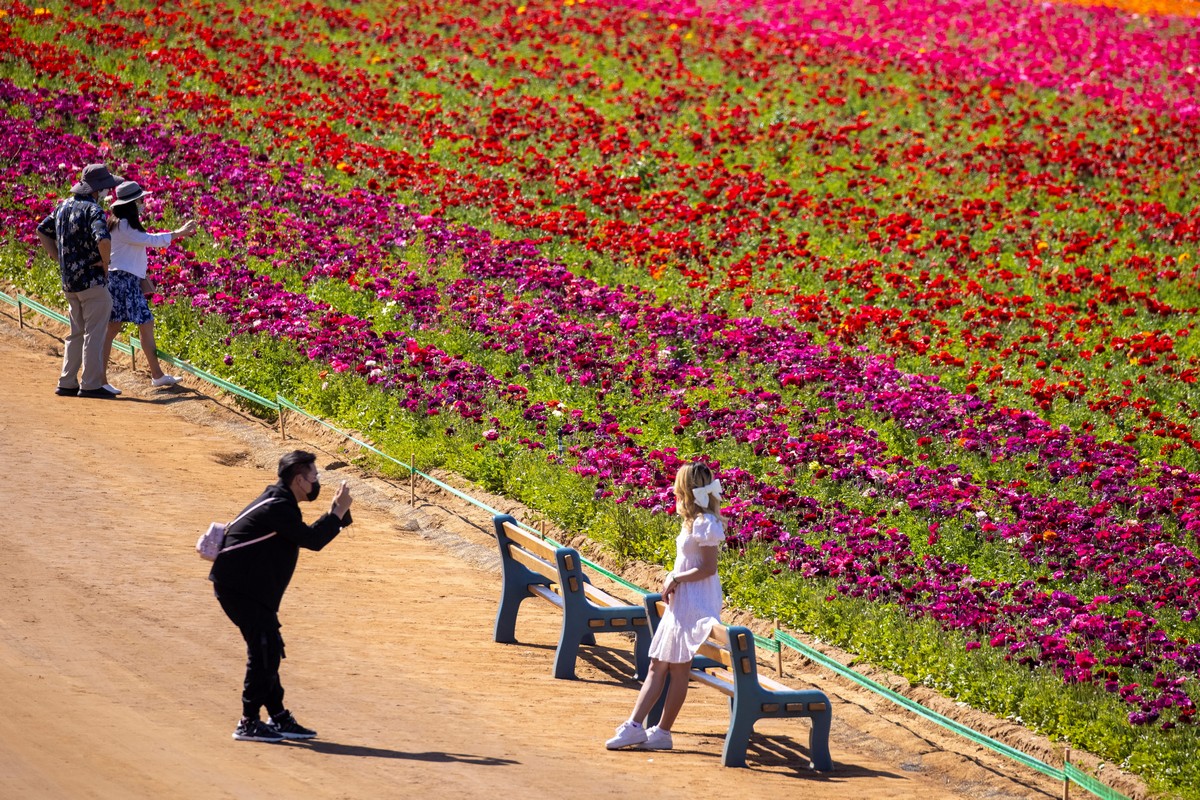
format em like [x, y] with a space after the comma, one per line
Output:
[108, 387]
[165, 380]
[656, 739]
[628, 734]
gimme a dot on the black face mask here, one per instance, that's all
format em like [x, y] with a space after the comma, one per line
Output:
[314, 491]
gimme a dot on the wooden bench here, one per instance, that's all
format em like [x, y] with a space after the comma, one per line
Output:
[533, 567]
[726, 662]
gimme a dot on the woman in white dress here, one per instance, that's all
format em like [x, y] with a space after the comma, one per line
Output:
[693, 595]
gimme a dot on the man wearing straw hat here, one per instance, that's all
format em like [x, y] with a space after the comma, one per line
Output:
[76, 236]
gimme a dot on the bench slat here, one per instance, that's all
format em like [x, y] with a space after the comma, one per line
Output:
[546, 593]
[714, 679]
[601, 597]
[533, 562]
[713, 650]
[722, 680]
[534, 544]
[773, 685]
[540, 563]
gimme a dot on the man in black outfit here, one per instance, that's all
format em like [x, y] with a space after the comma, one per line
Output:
[262, 546]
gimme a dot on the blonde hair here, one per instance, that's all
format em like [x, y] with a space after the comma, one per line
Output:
[694, 476]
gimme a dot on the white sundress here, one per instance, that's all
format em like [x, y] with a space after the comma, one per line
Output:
[695, 605]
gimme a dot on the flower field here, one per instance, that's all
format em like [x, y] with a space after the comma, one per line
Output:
[919, 279]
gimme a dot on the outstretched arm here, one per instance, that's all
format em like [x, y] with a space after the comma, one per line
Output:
[291, 525]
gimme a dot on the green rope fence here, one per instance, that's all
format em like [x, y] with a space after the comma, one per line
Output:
[284, 403]
[232, 388]
[1087, 782]
[779, 638]
[862, 680]
[22, 300]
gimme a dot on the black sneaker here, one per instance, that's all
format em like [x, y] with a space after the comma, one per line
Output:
[102, 393]
[255, 730]
[286, 726]
[64, 391]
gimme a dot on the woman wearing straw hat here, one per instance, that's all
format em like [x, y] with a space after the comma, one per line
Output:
[127, 270]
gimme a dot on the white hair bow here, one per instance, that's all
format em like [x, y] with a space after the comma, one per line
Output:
[703, 493]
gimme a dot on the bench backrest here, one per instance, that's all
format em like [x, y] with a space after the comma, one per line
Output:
[540, 557]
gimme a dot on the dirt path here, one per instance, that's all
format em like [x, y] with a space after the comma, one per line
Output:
[120, 677]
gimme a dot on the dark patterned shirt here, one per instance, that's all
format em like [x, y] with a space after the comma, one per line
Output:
[78, 226]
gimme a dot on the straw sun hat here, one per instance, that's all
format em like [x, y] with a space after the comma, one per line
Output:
[128, 192]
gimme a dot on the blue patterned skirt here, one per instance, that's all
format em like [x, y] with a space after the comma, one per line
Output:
[129, 305]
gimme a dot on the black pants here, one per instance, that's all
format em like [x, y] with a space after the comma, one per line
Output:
[264, 650]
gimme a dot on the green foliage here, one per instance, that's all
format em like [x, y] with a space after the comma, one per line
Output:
[34, 275]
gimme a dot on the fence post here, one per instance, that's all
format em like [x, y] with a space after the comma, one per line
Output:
[412, 479]
[1066, 778]
[779, 652]
[20, 314]
[132, 355]
[282, 429]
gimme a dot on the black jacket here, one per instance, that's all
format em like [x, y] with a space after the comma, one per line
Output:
[260, 572]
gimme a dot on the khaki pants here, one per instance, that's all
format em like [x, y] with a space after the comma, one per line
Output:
[84, 345]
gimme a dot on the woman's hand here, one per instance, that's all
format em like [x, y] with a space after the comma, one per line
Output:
[187, 230]
[669, 587]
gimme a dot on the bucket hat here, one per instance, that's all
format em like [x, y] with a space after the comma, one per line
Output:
[95, 178]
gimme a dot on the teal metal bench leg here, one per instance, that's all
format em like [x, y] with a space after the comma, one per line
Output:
[818, 741]
[506, 616]
[641, 651]
[736, 739]
[515, 591]
[573, 634]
